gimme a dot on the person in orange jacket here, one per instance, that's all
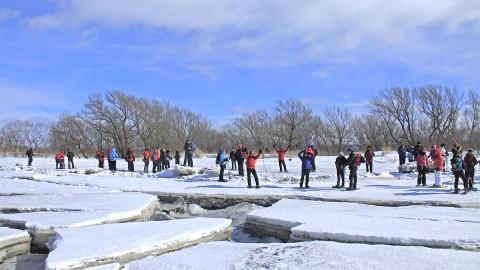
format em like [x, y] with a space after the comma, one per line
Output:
[251, 159]
[156, 159]
[60, 160]
[146, 159]
[281, 157]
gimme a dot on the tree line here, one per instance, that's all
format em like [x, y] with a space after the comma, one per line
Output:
[432, 114]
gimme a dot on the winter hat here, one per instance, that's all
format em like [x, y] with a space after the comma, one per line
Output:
[455, 144]
[442, 145]
[240, 145]
[470, 150]
[349, 150]
[251, 152]
[434, 146]
[221, 149]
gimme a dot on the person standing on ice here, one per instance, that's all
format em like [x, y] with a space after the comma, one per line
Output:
[369, 154]
[177, 158]
[70, 156]
[233, 160]
[470, 162]
[240, 158]
[108, 159]
[340, 164]
[251, 161]
[353, 161]
[222, 160]
[402, 154]
[163, 159]
[168, 158]
[438, 163]
[422, 165]
[113, 159]
[457, 167]
[30, 155]
[130, 158]
[281, 157]
[432, 151]
[146, 160]
[307, 158]
[100, 157]
[456, 149]
[188, 159]
[156, 159]
[60, 160]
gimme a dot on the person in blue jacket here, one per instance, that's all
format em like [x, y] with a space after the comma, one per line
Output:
[223, 161]
[113, 159]
[307, 160]
[402, 154]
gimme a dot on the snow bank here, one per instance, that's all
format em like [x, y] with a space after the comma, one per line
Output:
[111, 266]
[442, 227]
[13, 243]
[308, 255]
[96, 245]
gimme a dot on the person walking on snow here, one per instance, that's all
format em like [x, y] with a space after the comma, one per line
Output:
[369, 154]
[422, 165]
[146, 160]
[100, 157]
[438, 163]
[251, 160]
[307, 158]
[457, 167]
[281, 157]
[30, 155]
[240, 158]
[340, 164]
[402, 154]
[222, 160]
[60, 160]
[70, 156]
[470, 162]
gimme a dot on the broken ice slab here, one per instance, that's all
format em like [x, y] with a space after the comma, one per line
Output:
[13, 243]
[74, 210]
[78, 248]
[300, 220]
[308, 255]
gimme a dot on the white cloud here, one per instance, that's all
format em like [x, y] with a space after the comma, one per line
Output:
[6, 14]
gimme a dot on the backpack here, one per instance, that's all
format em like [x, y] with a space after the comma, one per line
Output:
[359, 159]
[217, 160]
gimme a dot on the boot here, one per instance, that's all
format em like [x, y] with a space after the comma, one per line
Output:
[301, 183]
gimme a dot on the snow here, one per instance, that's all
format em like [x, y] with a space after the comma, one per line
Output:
[95, 245]
[308, 255]
[442, 227]
[111, 266]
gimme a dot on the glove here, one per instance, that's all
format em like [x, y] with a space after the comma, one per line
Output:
[288, 146]
[260, 151]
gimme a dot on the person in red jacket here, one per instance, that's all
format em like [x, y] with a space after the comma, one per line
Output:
[60, 160]
[369, 154]
[101, 158]
[422, 165]
[251, 159]
[281, 157]
[146, 159]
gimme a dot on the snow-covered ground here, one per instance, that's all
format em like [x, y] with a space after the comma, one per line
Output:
[42, 197]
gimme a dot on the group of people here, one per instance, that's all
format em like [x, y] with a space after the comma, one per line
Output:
[462, 168]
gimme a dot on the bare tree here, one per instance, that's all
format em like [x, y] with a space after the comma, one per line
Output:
[396, 106]
[338, 126]
[441, 107]
[471, 121]
[290, 115]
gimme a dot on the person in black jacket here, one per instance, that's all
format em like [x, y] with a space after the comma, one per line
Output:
[233, 159]
[70, 156]
[239, 157]
[353, 167]
[416, 150]
[189, 148]
[340, 164]
[30, 155]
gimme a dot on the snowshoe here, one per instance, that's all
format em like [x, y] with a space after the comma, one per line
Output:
[336, 186]
[257, 187]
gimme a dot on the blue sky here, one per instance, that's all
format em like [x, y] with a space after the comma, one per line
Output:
[221, 58]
